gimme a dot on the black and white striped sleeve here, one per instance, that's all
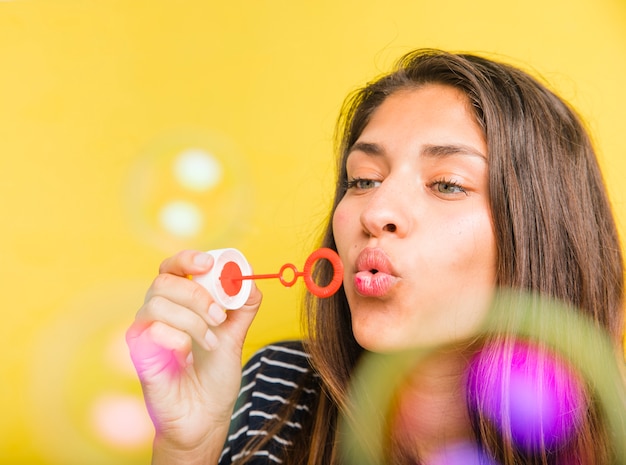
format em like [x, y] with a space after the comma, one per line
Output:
[269, 379]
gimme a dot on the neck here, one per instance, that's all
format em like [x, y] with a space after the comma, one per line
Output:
[432, 414]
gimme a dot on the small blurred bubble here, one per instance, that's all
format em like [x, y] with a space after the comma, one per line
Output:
[189, 189]
[121, 420]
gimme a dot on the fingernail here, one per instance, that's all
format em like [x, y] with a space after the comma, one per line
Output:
[210, 339]
[202, 259]
[216, 314]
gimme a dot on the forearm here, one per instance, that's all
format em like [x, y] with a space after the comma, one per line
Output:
[205, 453]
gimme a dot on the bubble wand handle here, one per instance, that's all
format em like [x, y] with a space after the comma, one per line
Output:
[260, 276]
[280, 275]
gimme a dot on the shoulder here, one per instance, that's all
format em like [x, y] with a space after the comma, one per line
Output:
[287, 358]
[277, 370]
[278, 387]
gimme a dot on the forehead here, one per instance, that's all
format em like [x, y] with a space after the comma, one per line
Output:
[436, 102]
[432, 115]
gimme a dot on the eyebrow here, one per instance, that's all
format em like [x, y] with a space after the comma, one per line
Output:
[428, 150]
[367, 148]
[446, 150]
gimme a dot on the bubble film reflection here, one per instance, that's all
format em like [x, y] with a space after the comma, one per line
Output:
[530, 391]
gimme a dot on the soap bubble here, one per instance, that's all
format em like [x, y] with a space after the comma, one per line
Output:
[530, 391]
[84, 404]
[189, 190]
[536, 364]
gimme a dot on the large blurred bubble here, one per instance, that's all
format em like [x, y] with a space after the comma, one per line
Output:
[84, 400]
[535, 363]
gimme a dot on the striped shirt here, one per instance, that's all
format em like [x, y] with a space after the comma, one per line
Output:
[269, 379]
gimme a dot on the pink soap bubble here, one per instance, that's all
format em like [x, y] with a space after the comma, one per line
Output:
[528, 390]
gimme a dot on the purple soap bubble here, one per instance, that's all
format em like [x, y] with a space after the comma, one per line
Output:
[527, 390]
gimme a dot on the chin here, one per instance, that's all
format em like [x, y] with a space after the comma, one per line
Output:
[374, 340]
[381, 329]
[383, 337]
[386, 328]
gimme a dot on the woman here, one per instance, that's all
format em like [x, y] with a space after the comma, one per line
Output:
[457, 175]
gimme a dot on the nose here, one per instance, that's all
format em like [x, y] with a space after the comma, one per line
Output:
[386, 212]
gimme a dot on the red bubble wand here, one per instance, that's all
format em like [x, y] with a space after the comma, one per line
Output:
[231, 276]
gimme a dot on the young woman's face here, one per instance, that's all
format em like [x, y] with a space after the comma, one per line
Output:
[414, 228]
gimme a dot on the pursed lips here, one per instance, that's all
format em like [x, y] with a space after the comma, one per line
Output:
[375, 275]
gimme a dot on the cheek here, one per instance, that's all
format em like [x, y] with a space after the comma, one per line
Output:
[469, 243]
[486, 236]
[341, 221]
[483, 248]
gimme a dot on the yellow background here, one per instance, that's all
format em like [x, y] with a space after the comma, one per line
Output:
[95, 95]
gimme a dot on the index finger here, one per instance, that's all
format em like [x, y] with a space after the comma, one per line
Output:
[187, 262]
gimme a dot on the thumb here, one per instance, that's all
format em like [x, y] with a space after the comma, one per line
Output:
[239, 321]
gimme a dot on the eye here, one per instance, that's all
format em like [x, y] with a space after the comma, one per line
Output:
[362, 183]
[448, 187]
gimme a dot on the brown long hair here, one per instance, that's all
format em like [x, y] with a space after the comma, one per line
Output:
[553, 223]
